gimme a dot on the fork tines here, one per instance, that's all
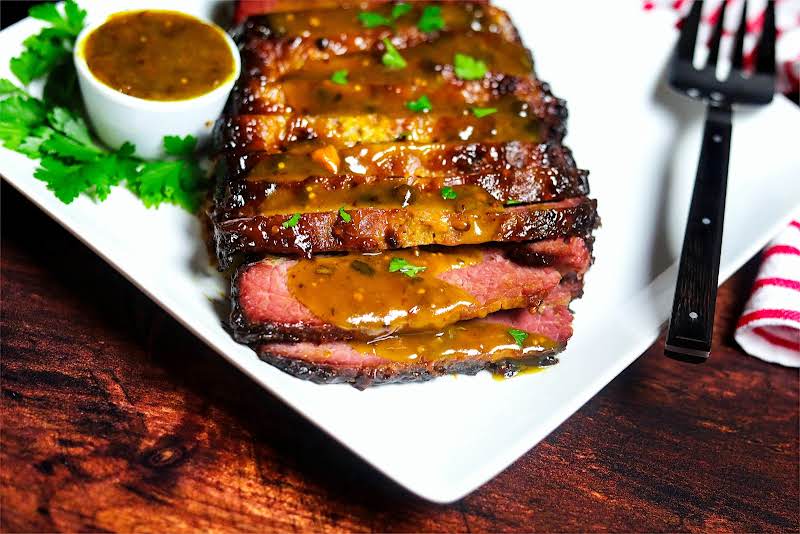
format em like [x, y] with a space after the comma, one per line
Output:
[703, 82]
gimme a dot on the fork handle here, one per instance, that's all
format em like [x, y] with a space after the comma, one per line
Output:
[692, 320]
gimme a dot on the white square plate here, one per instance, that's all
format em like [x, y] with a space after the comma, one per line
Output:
[445, 438]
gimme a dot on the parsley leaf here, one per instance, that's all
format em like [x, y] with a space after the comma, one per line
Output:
[346, 217]
[422, 104]
[431, 19]
[469, 68]
[483, 112]
[52, 46]
[402, 266]
[339, 77]
[448, 193]
[400, 9]
[512, 202]
[392, 58]
[65, 181]
[177, 146]
[19, 115]
[370, 19]
[292, 221]
[8, 88]
[178, 182]
[71, 22]
[519, 335]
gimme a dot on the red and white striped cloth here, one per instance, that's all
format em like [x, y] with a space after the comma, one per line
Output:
[770, 324]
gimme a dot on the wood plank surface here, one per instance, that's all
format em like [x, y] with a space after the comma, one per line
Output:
[115, 418]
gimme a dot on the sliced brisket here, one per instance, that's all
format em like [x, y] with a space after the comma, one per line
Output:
[340, 362]
[264, 308]
[374, 229]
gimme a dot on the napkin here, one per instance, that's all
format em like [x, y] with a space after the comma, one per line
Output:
[769, 327]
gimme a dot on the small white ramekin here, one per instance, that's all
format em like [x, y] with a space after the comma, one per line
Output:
[118, 117]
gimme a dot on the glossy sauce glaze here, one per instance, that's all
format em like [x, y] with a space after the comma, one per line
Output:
[461, 341]
[312, 199]
[328, 23]
[424, 63]
[159, 55]
[275, 132]
[392, 290]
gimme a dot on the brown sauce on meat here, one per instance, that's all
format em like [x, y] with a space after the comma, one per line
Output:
[159, 55]
[460, 341]
[326, 23]
[318, 198]
[269, 132]
[425, 62]
[310, 98]
[360, 291]
[406, 160]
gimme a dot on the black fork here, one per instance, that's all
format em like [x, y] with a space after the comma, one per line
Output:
[692, 320]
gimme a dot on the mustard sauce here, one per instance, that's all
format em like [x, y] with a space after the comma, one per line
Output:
[361, 291]
[460, 341]
[159, 55]
[318, 198]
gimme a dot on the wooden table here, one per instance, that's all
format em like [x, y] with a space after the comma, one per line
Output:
[114, 417]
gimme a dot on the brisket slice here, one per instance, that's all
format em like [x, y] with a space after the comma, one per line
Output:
[264, 309]
[274, 132]
[338, 362]
[375, 229]
[426, 61]
[271, 40]
[515, 171]
[523, 95]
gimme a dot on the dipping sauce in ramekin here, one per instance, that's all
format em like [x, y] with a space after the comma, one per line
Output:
[146, 74]
[159, 55]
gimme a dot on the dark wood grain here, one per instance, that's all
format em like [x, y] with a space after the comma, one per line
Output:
[115, 418]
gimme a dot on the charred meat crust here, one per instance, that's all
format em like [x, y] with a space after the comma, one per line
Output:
[270, 53]
[394, 373]
[373, 229]
[515, 171]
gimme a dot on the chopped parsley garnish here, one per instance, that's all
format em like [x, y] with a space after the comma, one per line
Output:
[483, 112]
[469, 68]
[346, 217]
[431, 19]
[339, 77]
[370, 19]
[513, 202]
[419, 105]
[448, 193]
[402, 266]
[519, 335]
[54, 129]
[400, 9]
[292, 221]
[392, 58]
